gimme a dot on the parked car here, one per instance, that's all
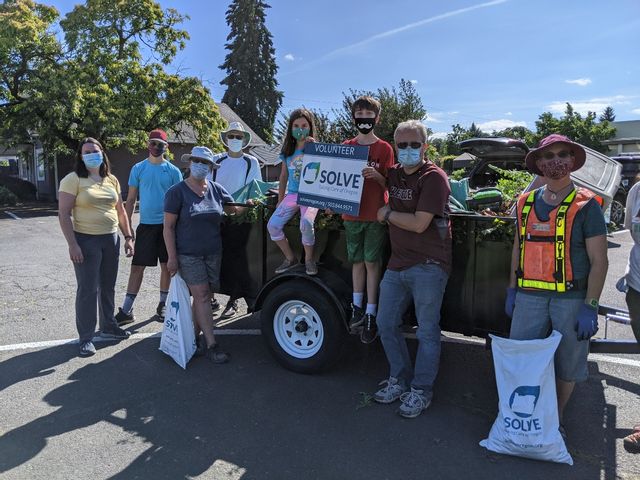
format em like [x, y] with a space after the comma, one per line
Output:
[630, 169]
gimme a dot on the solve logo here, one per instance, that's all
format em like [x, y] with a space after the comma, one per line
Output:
[311, 172]
[522, 403]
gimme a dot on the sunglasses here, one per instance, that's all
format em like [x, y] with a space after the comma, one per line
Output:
[551, 155]
[200, 160]
[403, 145]
[153, 143]
[234, 136]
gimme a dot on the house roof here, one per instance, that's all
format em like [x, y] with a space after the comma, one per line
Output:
[626, 131]
[267, 154]
[185, 133]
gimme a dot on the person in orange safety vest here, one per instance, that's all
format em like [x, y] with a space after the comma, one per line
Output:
[559, 262]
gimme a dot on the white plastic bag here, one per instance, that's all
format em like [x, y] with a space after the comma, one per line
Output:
[527, 423]
[178, 338]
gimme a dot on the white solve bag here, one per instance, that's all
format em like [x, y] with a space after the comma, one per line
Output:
[178, 337]
[527, 423]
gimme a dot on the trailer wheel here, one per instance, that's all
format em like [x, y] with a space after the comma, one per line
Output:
[302, 328]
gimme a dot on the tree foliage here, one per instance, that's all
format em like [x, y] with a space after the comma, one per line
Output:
[106, 79]
[251, 67]
[608, 115]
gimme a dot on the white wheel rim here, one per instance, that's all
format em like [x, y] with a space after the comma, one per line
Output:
[298, 329]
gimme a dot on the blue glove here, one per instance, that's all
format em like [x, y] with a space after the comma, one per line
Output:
[587, 322]
[510, 302]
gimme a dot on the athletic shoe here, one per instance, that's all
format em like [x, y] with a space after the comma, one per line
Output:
[115, 333]
[632, 442]
[215, 305]
[87, 349]
[231, 310]
[216, 355]
[311, 268]
[413, 403]
[286, 265]
[370, 329]
[389, 393]
[160, 311]
[357, 317]
[124, 318]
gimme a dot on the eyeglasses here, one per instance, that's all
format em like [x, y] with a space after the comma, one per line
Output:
[551, 155]
[153, 143]
[403, 145]
[200, 160]
[233, 136]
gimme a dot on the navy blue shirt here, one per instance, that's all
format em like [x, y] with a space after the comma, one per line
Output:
[198, 224]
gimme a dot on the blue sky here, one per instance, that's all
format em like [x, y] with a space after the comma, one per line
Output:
[497, 63]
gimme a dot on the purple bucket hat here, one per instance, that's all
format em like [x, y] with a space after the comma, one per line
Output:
[576, 149]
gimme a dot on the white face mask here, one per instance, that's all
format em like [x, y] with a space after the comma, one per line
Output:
[235, 145]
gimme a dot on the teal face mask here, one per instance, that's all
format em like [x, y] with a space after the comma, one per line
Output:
[300, 133]
[409, 157]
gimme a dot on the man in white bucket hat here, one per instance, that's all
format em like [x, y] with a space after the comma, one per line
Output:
[236, 169]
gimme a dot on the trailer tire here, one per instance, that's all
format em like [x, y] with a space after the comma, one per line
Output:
[302, 328]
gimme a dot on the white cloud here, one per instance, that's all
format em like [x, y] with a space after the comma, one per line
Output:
[436, 135]
[636, 111]
[583, 82]
[591, 105]
[413, 81]
[508, 114]
[433, 118]
[499, 125]
[289, 57]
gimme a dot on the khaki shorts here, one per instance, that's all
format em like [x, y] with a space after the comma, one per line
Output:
[201, 270]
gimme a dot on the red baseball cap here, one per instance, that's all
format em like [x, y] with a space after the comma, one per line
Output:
[159, 135]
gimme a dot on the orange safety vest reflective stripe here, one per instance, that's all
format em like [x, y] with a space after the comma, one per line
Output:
[545, 259]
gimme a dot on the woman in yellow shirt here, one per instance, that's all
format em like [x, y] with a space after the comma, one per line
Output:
[91, 195]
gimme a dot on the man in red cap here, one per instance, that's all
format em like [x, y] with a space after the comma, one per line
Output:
[150, 178]
[559, 262]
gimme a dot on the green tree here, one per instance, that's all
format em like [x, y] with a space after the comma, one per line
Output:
[325, 127]
[584, 130]
[251, 67]
[517, 132]
[608, 115]
[105, 79]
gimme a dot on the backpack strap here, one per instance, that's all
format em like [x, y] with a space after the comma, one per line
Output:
[224, 157]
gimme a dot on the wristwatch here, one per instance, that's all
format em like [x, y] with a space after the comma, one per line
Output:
[128, 237]
[592, 302]
[387, 215]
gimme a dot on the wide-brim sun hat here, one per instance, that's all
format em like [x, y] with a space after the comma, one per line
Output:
[235, 127]
[202, 153]
[576, 149]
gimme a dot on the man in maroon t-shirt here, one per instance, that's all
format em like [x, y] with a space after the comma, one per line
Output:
[418, 270]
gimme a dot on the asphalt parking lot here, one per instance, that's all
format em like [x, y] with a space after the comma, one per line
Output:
[130, 412]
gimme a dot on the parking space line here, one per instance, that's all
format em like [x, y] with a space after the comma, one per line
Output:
[135, 336]
[13, 215]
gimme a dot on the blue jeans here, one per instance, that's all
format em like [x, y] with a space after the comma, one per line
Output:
[423, 284]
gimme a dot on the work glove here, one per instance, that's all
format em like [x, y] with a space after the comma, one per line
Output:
[621, 285]
[587, 322]
[510, 302]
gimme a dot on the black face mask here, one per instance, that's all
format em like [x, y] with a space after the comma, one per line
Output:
[365, 125]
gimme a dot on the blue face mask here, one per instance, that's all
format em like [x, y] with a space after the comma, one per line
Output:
[199, 170]
[300, 133]
[409, 157]
[92, 160]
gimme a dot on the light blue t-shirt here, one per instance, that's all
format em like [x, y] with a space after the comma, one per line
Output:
[152, 182]
[294, 166]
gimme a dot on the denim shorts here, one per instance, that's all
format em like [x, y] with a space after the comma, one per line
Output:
[535, 316]
[201, 270]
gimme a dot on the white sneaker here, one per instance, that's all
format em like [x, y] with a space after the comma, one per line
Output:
[390, 393]
[413, 403]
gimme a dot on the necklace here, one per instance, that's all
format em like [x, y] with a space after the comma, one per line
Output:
[554, 195]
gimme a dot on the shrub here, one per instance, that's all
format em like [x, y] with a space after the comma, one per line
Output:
[21, 188]
[7, 197]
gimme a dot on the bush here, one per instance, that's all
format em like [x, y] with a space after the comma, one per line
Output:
[7, 197]
[21, 188]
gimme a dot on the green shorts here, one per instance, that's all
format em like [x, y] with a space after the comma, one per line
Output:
[366, 241]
